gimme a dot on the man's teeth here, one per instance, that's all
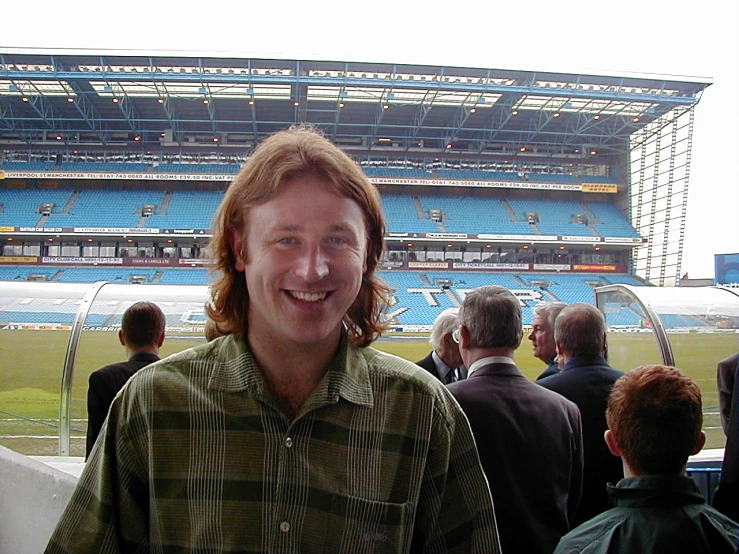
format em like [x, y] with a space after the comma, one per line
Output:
[308, 296]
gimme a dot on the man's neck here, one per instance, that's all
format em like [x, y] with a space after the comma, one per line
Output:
[292, 372]
[480, 353]
[150, 349]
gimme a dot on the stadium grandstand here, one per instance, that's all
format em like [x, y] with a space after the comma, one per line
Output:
[112, 166]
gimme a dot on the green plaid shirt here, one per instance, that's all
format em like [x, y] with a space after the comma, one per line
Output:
[196, 457]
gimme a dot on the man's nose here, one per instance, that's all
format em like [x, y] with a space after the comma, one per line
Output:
[312, 264]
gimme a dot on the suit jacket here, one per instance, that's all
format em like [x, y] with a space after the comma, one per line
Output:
[428, 364]
[552, 369]
[726, 498]
[104, 384]
[530, 445]
[587, 382]
[725, 379]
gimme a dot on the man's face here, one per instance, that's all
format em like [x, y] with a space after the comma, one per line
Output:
[306, 254]
[542, 339]
[450, 352]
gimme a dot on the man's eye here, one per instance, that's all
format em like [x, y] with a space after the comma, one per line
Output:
[287, 240]
[337, 240]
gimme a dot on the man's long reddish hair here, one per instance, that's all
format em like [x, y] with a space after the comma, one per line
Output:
[282, 157]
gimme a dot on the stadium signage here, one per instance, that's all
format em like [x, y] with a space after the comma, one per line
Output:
[80, 260]
[428, 265]
[601, 188]
[397, 234]
[524, 238]
[476, 184]
[625, 240]
[594, 267]
[483, 265]
[116, 230]
[581, 239]
[7, 229]
[148, 261]
[551, 267]
[40, 229]
[194, 261]
[118, 176]
[458, 236]
[18, 259]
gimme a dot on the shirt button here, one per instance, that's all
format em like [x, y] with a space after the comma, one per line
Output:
[285, 527]
[288, 442]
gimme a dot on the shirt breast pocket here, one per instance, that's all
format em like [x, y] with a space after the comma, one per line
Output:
[357, 525]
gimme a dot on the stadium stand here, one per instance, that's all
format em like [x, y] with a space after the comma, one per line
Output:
[408, 173]
[21, 206]
[107, 208]
[26, 166]
[188, 209]
[107, 167]
[197, 168]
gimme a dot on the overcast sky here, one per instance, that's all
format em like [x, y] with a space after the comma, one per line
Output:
[644, 36]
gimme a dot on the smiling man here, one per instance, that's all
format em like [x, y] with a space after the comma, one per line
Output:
[289, 433]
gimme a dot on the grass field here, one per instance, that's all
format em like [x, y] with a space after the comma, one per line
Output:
[31, 365]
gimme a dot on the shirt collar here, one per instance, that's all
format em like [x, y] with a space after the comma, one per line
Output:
[441, 368]
[489, 360]
[347, 377]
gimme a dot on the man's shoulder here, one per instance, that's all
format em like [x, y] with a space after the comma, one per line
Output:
[393, 366]
[730, 361]
[111, 369]
[594, 536]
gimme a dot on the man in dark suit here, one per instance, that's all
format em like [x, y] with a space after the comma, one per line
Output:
[142, 334]
[444, 362]
[726, 498]
[725, 379]
[542, 335]
[580, 336]
[529, 439]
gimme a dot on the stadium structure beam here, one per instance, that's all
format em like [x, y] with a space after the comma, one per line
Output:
[14, 124]
[234, 79]
[503, 113]
[84, 106]
[460, 117]
[125, 105]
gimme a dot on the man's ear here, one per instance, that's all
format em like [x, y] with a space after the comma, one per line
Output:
[160, 342]
[235, 243]
[612, 444]
[464, 338]
[558, 347]
[122, 338]
[700, 444]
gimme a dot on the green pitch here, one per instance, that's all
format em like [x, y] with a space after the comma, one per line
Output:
[31, 365]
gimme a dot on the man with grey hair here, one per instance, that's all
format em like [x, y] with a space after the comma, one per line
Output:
[542, 335]
[517, 424]
[444, 361]
[587, 378]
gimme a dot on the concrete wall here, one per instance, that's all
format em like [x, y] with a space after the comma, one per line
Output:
[33, 496]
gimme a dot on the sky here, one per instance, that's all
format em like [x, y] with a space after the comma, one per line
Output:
[646, 36]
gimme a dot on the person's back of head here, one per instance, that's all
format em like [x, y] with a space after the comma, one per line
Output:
[142, 326]
[492, 317]
[580, 330]
[654, 417]
[446, 322]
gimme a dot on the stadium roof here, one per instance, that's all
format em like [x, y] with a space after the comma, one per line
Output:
[114, 99]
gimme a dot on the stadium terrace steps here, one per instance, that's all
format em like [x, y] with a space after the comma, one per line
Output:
[189, 209]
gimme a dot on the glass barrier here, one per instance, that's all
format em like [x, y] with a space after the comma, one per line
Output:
[43, 389]
[691, 328]
[35, 328]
